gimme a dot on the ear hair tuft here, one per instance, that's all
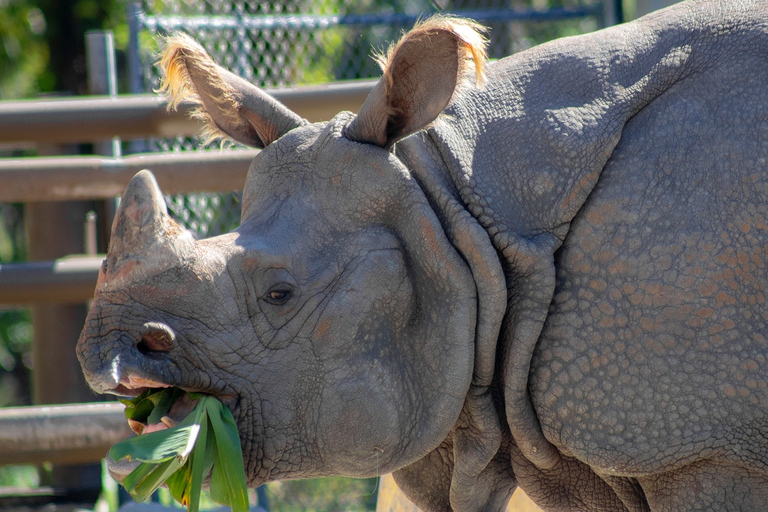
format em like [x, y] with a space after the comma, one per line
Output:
[179, 53]
[472, 48]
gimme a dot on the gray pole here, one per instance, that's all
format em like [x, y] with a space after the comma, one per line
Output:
[613, 12]
[102, 80]
[646, 6]
[102, 77]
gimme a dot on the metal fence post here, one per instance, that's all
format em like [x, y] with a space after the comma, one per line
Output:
[102, 80]
[646, 6]
[135, 85]
[613, 12]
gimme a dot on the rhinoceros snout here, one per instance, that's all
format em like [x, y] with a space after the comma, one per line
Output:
[102, 374]
[125, 363]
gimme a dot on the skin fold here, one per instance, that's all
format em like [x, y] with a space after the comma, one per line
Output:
[547, 272]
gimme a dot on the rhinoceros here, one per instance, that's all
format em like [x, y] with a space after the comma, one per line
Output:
[546, 272]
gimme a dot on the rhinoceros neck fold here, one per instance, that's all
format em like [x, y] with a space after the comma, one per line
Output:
[470, 239]
[481, 411]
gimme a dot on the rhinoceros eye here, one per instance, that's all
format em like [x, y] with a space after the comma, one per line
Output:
[279, 295]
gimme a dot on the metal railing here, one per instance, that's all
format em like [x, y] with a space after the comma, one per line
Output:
[60, 434]
[89, 119]
[95, 177]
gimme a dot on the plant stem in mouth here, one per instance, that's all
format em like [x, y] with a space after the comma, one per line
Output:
[182, 454]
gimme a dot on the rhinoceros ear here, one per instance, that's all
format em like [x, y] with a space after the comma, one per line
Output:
[422, 73]
[228, 105]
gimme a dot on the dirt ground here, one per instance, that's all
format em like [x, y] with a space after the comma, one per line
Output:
[392, 500]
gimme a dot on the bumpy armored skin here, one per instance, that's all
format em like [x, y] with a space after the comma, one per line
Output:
[550, 272]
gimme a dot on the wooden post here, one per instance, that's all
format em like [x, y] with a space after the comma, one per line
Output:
[57, 229]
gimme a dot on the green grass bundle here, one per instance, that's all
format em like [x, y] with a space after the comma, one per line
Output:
[205, 443]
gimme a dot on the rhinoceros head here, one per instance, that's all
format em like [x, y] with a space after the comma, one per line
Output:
[338, 322]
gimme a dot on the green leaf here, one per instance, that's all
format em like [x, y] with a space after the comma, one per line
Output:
[198, 462]
[178, 484]
[161, 407]
[130, 404]
[142, 410]
[154, 480]
[140, 407]
[133, 479]
[157, 446]
[163, 404]
[205, 442]
[137, 399]
[228, 485]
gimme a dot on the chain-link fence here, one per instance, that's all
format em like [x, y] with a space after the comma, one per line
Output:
[292, 42]
[277, 43]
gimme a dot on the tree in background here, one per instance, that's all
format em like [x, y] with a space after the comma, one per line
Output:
[42, 43]
[23, 50]
[15, 327]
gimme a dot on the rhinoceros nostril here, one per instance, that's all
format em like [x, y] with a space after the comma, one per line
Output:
[156, 337]
[154, 343]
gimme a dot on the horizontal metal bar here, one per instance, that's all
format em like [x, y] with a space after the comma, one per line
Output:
[67, 280]
[318, 22]
[553, 14]
[61, 434]
[75, 178]
[92, 119]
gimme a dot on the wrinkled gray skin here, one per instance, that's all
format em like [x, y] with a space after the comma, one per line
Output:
[559, 285]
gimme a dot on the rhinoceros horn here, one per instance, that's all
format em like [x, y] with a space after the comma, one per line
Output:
[144, 239]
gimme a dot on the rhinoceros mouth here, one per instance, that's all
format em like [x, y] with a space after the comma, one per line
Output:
[132, 386]
[137, 390]
[179, 409]
[182, 404]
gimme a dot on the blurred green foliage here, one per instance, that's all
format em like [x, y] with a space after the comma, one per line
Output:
[15, 341]
[334, 494]
[42, 43]
[15, 363]
[19, 476]
[15, 327]
[337, 494]
[23, 49]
